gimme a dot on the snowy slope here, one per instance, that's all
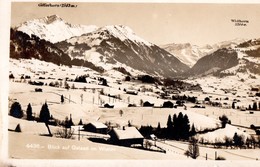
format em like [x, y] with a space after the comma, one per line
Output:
[89, 110]
[248, 57]
[116, 45]
[53, 28]
[125, 33]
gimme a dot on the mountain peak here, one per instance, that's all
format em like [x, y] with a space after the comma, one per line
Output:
[46, 20]
[124, 33]
[52, 18]
[53, 28]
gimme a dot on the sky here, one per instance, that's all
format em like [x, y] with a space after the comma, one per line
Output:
[159, 23]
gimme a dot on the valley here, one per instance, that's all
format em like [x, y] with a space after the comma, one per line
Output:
[85, 101]
[92, 93]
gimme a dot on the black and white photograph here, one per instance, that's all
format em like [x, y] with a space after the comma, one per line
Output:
[133, 81]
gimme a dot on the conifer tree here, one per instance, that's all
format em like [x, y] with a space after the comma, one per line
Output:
[71, 122]
[62, 99]
[29, 112]
[16, 110]
[80, 122]
[185, 127]
[193, 130]
[18, 128]
[179, 126]
[169, 127]
[159, 126]
[44, 113]
[255, 106]
[169, 122]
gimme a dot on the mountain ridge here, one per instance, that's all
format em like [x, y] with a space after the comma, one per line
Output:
[49, 28]
[190, 53]
[116, 46]
[119, 44]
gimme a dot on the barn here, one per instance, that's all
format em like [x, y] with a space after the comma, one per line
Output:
[148, 104]
[167, 104]
[132, 92]
[126, 136]
[96, 127]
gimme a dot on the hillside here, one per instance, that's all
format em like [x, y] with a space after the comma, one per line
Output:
[89, 108]
[119, 46]
[26, 47]
[219, 60]
[106, 47]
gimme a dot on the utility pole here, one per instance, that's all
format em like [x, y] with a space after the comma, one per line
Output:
[81, 96]
[79, 134]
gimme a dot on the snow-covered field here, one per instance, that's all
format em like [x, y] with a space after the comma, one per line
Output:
[85, 101]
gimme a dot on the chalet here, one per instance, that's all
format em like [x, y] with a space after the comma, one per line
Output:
[36, 83]
[172, 91]
[38, 89]
[126, 136]
[255, 89]
[132, 92]
[167, 104]
[96, 127]
[148, 104]
[108, 106]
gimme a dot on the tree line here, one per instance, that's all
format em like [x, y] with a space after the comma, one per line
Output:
[24, 46]
[178, 128]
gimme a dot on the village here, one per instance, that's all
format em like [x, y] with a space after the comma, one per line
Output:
[113, 112]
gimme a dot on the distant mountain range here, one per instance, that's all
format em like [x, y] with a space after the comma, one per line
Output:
[189, 54]
[106, 47]
[102, 48]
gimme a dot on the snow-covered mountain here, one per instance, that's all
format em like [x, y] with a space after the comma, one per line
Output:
[189, 54]
[53, 28]
[243, 58]
[248, 57]
[118, 45]
[229, 43]
[23, 46]
[106, 47]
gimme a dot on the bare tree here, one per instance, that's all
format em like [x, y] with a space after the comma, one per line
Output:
[66, 133]
[148, 144]
[193, 149]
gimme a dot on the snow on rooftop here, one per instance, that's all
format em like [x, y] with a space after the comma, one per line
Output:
[98, 125]
[128, 133]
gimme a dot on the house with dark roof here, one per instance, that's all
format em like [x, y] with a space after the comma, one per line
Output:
[96, 127]
[126, 136]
